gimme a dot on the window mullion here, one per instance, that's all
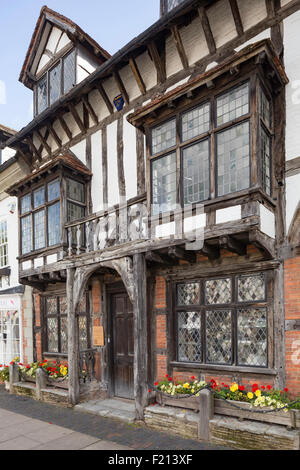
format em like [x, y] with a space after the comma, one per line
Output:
[254, 131]
[178, 162]
[213, 169]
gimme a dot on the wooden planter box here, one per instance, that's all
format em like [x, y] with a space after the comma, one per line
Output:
[27, 378]
[57, 383]
[222, 407]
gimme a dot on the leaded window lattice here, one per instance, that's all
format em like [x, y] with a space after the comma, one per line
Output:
[54, 84]
[38, 197]
[164, 184]
[189, 337]
[188, 294]
[218, 321]
[233, 104]
[252, 337]
[25, 204]
[42, 94]
[54, 224]
[75, 190]
[265, 146]
[52, 334]
[195, 122]
[218, 337]
[218, 291]
[3, 244]
[251, 288]
[39, 229]
[26, 234]
[69, 72]
[163, 137]
[196, 172]
[53, 190]
[233, 159]
[264, 107]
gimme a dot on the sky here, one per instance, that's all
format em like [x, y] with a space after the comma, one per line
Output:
[111, 23]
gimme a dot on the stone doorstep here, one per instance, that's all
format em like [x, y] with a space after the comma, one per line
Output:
[224, 430]
[118, 409]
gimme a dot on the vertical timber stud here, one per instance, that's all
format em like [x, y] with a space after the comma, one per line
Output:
[140, 335]
[73, 342]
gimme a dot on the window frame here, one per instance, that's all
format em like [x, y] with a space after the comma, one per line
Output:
[5, 244]
[234, 306]
[59, 60]
[255, 80]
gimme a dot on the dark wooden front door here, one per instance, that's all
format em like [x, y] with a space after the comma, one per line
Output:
[123, 345]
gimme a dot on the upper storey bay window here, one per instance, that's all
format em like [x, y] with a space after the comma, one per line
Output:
[204, 151]
[56, 82]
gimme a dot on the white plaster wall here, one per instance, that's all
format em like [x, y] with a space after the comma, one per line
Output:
[173, 62]
[252, 12]
[229, 214]
[85, 65]
[194, 42]
[147, 70]
[267, 221]
[12, 232]
[292, 66]
[292, 198]
[97, 179]
[221, 22]
[112, 165]
[7, 153]
[130, 158]
[80, 151]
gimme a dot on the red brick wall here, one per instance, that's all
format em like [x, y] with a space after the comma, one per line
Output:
[292, 312]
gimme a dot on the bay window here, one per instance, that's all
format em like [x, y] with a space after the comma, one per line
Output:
[205, 151]
[223, 321]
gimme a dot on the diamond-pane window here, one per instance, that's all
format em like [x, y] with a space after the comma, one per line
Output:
[188, 294]
[218, 291]
[69, 71]
[55, 84]
[82, 323]
[219, 337]
[252, 337]
[189, 337]
[163, 137]
[251, 288]
[52, 331]
[42, 94]
[195, 122]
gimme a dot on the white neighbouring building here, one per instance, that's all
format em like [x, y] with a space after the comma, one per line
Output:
[15, 299]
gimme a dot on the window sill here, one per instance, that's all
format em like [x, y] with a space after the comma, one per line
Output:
[219, 368]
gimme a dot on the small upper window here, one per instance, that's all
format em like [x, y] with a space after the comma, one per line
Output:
[3, 244]
[168, 5]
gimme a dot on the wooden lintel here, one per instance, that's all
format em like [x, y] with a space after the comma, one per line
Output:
[137, 76]
[265, 244]
[234, 70]
[177, 252]
[54, 135]
[211, 44]
[65, 127]
[77, 118]
[158, 62]
[44, 142]
[90, 109]
[179, 46]
[153, 257]
[105, 98]
[121, 86]
[55, 276]
[237, 17]
[211, 251]
[234, 246]
[210, 84]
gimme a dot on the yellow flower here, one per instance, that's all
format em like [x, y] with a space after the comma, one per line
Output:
[258, 393]
[250, 395]
[234, 387]
[186, 385]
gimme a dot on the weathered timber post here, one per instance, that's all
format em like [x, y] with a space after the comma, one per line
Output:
[41, 382]
[140, 335]
[206, 413]
[73, 341]
[14, 376]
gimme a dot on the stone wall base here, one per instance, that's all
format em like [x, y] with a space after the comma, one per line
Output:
[228, 432]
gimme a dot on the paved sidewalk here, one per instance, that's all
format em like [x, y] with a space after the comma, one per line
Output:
[26, 424]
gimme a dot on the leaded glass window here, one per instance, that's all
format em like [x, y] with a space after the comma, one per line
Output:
[42, 94]
[39, 229]
[233, 104]
[164, 177]
[54, 224]
[53, 190]
[25, 204]
[69, 72]
[38, 197]
[265, 146]
[214, 314]
[54, 84]
[3, 244]
[264, 107]
[233, 159]
[57, 324]
[26, 234]
[163, 137]
[195, 122]
[75, 190]
[196, 172]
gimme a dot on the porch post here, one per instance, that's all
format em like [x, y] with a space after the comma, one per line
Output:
[140, 335]
[73, 343]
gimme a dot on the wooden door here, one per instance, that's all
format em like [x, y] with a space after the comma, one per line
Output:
[123, 345]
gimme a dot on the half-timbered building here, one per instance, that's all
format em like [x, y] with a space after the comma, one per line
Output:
[153, 223]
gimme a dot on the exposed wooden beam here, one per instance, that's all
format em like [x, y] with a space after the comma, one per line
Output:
[25, 156]
[121, 86]
[33, 148]
[270, 5]
[90, 109]
[44, 142]
[158, 62]
[233, 245]
[137, 76]
[265, 244]
[211, 251]
[77, 118]
[176, 252]
[65, 127]
[54, 135]
[179, 46]
[237, 17]
[154, 257]
[211, 44]
[105, 98]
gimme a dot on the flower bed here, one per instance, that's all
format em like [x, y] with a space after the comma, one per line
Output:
[185, 395]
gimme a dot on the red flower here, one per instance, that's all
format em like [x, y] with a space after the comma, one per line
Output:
[269, 387]
[11, 363]
[167, 376]
[254, 388]
[28, 366]
[170, 379]
[149, 390]
[20, 364]
[285, 390]
[156, 383]
[193, 378]
[263, 387]
[241, 388]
